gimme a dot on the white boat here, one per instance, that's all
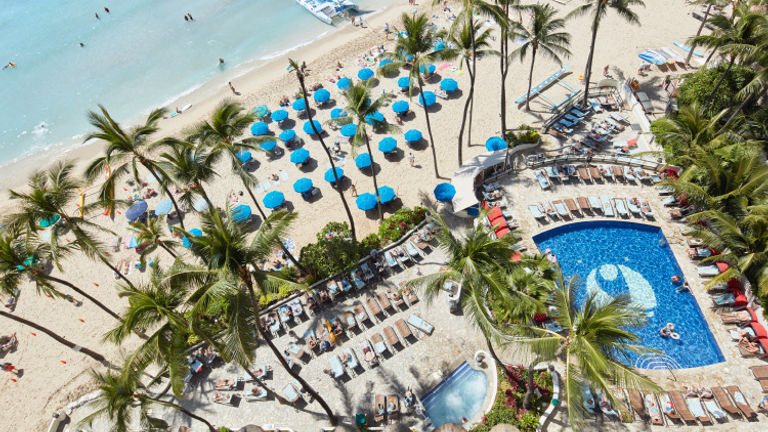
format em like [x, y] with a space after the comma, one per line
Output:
[328, 11]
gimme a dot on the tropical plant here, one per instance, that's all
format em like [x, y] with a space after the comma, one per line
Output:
[697, 87]
[402, 221]
[507, 34]
[334, 240]
[152, 234]
[191, 166]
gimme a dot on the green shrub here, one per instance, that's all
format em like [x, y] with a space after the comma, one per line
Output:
[510, 393]
[699, 85]
[528, 422]
[395, 226]
[334, 251]
[372, 241]
[524, 135]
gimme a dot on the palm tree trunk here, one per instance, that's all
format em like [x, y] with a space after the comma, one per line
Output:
[529, 387]
[82, 235]
[167, 249]
[711, 96]
[373, 172]
[168, 193]
[189, 414]
[429, 129]
[504, 66]
[84, 294]
[530, 80]
[90, 353]
[116, 271]
[701, 27]
[496, 358]
[588, 70]
[466, 108]
[469, 118]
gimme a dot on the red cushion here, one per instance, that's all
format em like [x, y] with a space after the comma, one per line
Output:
[516, 256]
[501, 232]
[498, 224]
[759, 330]
[485, 205]
[734, 284]
[721, 266]
[494, 213]
[752, 314]
[539, 317]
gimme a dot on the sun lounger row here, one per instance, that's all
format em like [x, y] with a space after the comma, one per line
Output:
[594, 205]
[389, 405]
[703, 407]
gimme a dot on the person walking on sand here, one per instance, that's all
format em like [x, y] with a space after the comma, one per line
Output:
[8, 367]
[411, 158]
[605, 71]
[353, 189]
[231, 87]
[186, 18]
[386, 30]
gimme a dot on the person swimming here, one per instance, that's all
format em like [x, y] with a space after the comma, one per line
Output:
[10, 65]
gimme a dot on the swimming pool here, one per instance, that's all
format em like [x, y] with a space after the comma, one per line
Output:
[460, 395]
[613, 257]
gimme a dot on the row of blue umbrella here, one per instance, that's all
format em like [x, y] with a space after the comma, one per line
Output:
[367, 201]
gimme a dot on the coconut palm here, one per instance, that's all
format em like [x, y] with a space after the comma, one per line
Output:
[544, 35]
[599, 9]
[152, 234]
[758, 56]
[294, 66]
[125, 150]
[122, 393]
[189, 165]
[710, 4]
[507, 34]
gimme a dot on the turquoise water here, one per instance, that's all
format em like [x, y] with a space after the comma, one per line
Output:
[459, 396]
[141, 55]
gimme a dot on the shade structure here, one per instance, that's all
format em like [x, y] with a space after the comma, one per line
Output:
[338, 113]
[366, 201]
[349, 129]
[279, 115]
[136, 210]
[413, 135]
[387, 145]
[428, 98]
[329, 175]
[444, 192]
[386, 194]
[439, 46]
[273, 199]
[400, 107]
[363, 160]
[430, 69]
[299, 155]
[268, 145]
[404, 82]
[344, 83]
[50, 220]
[376, 117]
[200, 204]
[130, 242]
[308, 127]
[299, 105]
[261, 111]
[287, 135]
[302, 185]
[194, 232]
[449, 85]
[243, 155]
[365, 74]
[322, 95]
[259, 128]
[163, 207]
[241, 213]
[495, 143]
[385, 62]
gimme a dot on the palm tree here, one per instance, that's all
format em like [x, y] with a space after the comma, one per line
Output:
[189, 165]
[595, 341]
[152, 235]
[600, 9]
[710, 4]
[545, 35]
[125, 150]
[757, 55]
[121, 393]
[294, 67]
[506, 34]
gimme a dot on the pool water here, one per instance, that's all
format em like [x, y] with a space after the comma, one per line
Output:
[460, 395]
[615, 257]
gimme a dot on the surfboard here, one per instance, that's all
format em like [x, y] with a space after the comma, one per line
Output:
[652, 58]
[688, 49]
[181, 110]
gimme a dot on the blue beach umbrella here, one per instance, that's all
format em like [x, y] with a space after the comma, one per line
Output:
[430, 69]
[200, 204]
[302, 185]
[444, 192]
[329, 175]
[495, 143]
[279, 115]
[400, 107]
[449, 85]
[366, 201]
[344, 83]
[287, 135]
[413, 135]
[45, 223]
[387, 145]
[386, 194]
[241, 213]
[374, 117]
[273, 199]
[268, 145]
[299, 156]
[243, 155]
[363, 160]
[261, 111]
[365, 74]
[322, 95]
[404, 82]
[428, 99]
[308, 127]
[299, 105]
[338, 113]
[349, 130]
[163, 207]
[385, 62]
[194, 232]
[259, 128]
[136, 210]
[439, 47]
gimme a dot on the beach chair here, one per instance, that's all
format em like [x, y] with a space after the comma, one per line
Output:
[571, 204]
[542, 179]
[551, 172]
[368, 274]
[352, 359]
[697, 409]
[595, 203]
[390, 259]
[621, 207]
[583, 204]
[302, 391]
[605, 405]
[355, 275]
[349, 320]
[584, 175]
[412, 250]
[619, 118]
[636, 401]
[652, 407]
[595, 174]
[223, 398]
[668, 407]
[633, 206]
[225, 384]
[369, 355]
[360, 314]
[401, 255]
[410, 294]
[678, 400]
[393, 407]
[378, 344]
[373, 307]
[261, 372]
[378, 408]
[345, 285]
[628, 174]
[713, 409]
[403, 329]
[256, 394]
[422, 245]
[741, 401]
[607, 207]
[738, 317]
[708, 270]
[588, 401]
[725, 401]
[420, 324]
[389, 334]
[336, 368]
[384, 300]
[333, 288]
[535, 212]
[561, 210]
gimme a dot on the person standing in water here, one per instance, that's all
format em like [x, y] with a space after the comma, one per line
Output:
[190, 17]
[106, 9]
[186, 18]
[97, 16]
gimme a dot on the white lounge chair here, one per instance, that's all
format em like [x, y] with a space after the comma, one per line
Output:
[367, 272]
[561, 209]
[420, 324]
[621, 207]
[412, 250]
[595, 203]
[694, 405]
[391, 261]
[607, 207]
[260, 395]
[543, 182]
[336, 369]
[535, 212]
[352, 360]
[708, 270]
[714, 409]
[628, 174]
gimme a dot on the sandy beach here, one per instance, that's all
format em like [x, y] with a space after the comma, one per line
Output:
[54, 375]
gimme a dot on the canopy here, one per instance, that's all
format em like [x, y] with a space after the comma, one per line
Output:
[400, 107]
[429, 97]
[259, 128]
[308, 127]
[387, 145]
[439, 47]
[465, 178]
[366, 201]
[404, 82]
[130, 242]
[268, 145]
[495, 143]
[241, 213]
[329, 175]
[302, 185]
[344, 83]
[163, 207]
[287, 135]
[430, 69]
[279, 115]
[449, 85]
[200, 204]
[194, 232]
[299, 156]
[444, 192]
[386, 194]
[349, 129]
[363, 160]
[273, 199]
[338, 112]
[365, 74]
[261, 111]
[385, 62]
[51, 220]
[136, 210]
[299, 105]
[413, 135]
[374, 117]
[322, 95]
[243, 155]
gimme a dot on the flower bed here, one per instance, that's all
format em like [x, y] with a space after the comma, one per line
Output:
[510, 394]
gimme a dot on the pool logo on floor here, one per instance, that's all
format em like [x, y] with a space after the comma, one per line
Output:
[620, 278]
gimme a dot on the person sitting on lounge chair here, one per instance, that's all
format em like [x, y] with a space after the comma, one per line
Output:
[752, 347]
[690, 392]
[705, 393]
[744, 336]
[380, 409]
[408, 399]
[390, 407]
[220, 398]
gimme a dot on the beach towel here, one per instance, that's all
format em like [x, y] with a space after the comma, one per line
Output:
[444, 66]
[284, 175]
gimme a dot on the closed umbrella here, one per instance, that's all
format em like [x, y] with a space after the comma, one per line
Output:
[163, 207]
[386, 194]
[268, 145]
[374, 117]
[329, 175]
[444, 192]
[428, 98]
[363, 160]
[365, 74]
[349, 129]
[308, 127]
[299, 105]
[194, 232]
[400, 107]
[385, 62]
[495, 143]
[287, 135]
[241, 213]
[338, 113]
[439, 46]
[366, 201]
[259, 128]
[273, 199]
[404, 82]
[302, 185]
[449, 85]
[344, 83]
[299, 156]
[387, 145]
[279, 115]
[261, 111]
[136, 210]
[322, 95]
[50, 220]
[413, 135]
[430, 69]
[200, 204]
[243, 155]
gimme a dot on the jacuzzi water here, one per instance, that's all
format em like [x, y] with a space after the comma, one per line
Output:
[459, 396]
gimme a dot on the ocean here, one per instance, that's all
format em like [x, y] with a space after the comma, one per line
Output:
[139, 56]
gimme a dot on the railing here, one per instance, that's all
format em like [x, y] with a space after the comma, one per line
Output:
[541, 160]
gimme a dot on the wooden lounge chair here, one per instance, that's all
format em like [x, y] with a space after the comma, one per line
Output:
[636, 400]
[654, 411]
[741, 401]
[373, 307]
[665, 401]
[618, 173]
[389, 333]
[760, 372]
[678, 400]
[584, 175]
[378, 344]
[360, 314]
[697, 409]
[403, 329]
[583, 203]
[393, 407]
[378, 408]
[725, 401]
[349, 320]
[384, 300]
[419, 243]
[595, 173]
[571, 204]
